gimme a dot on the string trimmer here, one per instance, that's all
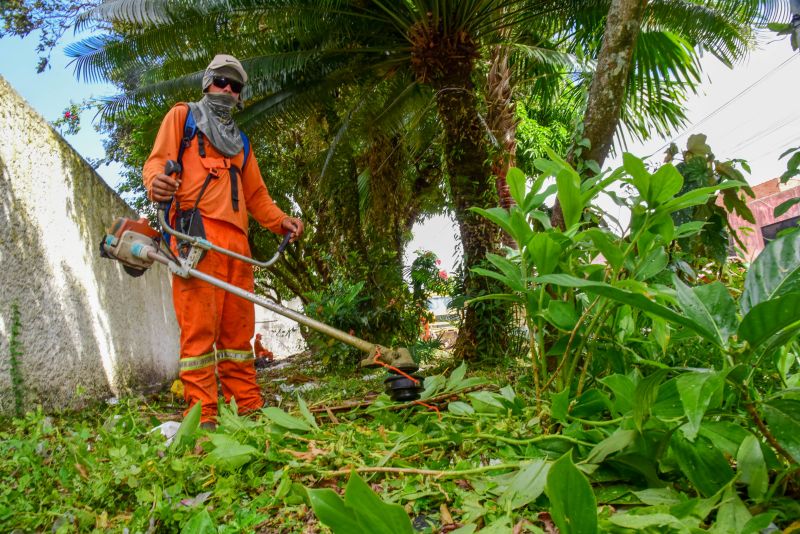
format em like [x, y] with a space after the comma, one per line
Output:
[136, 245]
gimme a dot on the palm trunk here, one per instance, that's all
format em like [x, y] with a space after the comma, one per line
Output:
[471, 185]
[607, 92]
[501, 119]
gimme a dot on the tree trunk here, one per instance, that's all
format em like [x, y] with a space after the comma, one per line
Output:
[607, 92]
[471, 185]
[502, 122]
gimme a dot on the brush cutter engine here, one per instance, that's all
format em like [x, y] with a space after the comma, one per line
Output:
[129, 242]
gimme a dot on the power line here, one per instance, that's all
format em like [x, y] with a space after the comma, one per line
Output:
[726, 104]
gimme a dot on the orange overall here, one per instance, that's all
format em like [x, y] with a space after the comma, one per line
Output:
[216, 326]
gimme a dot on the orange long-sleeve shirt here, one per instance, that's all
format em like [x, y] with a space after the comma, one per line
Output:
[216, 201]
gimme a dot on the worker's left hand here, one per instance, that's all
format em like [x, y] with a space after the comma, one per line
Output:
[293, 225]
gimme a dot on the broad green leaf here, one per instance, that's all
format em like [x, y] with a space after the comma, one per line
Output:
[721, 307]
[654, 263]
[732, 515]
[526, 486]
[229, 454]
[455, 378]
[640, 177]
[710, 306]
[658, 496]
[620, 295]
[661, 332]
[544, 252]
[771, 323]
[373, 515]
[508, 268]
[608, 245]
[307, 415]
[689, 229]
[536, 199]
[486, 402]
[572, 503]
[664, 184]
[516, 184]
[569, 196]
[774, 273]
[696, 391]
[645, 521]
[332, 512]
[498, 526]
[696, 197]
[752, 468]
[506, 281]
[561, 314]
[591, 403]
[759, 523]
[783, 420]
[548, 168]
[200, 523]
[559, 405]
[189, 425]
[668, 403]
[499, 216]
[702, 463]
[645, 396]
[623, 389]
[281, 418]
[519, 222]
[613, 443]
[460, 408]
[783, 207]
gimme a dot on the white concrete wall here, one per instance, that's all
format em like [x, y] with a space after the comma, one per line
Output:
[279, 334]
[88, 330]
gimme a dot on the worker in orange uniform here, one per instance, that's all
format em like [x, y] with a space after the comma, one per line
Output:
[216, 326]
[263, 354]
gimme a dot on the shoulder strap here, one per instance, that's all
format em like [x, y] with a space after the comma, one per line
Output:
[246, 143]
[189, 131]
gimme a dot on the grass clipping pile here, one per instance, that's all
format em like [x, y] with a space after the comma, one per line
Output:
[475, 458]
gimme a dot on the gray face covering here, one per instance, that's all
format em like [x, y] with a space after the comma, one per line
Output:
[213, 117]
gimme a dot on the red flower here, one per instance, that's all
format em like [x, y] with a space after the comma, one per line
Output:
[67, 115]
[443, 275]
[438, 262]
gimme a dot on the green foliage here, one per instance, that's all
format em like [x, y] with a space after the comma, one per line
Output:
[489, 460]
[792, 171]
[700, 169]
[50, 19]
[617, 321]
[340, 306]
[15, 354]
[69, 123]
[360, 512]
[428, 278]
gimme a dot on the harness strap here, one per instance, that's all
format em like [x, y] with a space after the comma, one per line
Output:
[234, 173]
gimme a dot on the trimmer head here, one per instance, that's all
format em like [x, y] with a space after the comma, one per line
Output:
[401, 384]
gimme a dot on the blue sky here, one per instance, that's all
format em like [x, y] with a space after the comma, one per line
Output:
[52, 91]
[751, 112]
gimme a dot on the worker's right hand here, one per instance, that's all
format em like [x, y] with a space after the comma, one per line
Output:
[163, 187]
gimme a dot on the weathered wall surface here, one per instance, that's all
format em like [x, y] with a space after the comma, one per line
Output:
[87, 329]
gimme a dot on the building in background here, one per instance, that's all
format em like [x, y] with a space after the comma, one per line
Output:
[769, 195]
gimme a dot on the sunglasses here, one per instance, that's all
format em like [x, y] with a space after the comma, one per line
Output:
[222, 82]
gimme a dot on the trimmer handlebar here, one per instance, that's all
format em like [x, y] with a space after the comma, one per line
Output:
[173, 167]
